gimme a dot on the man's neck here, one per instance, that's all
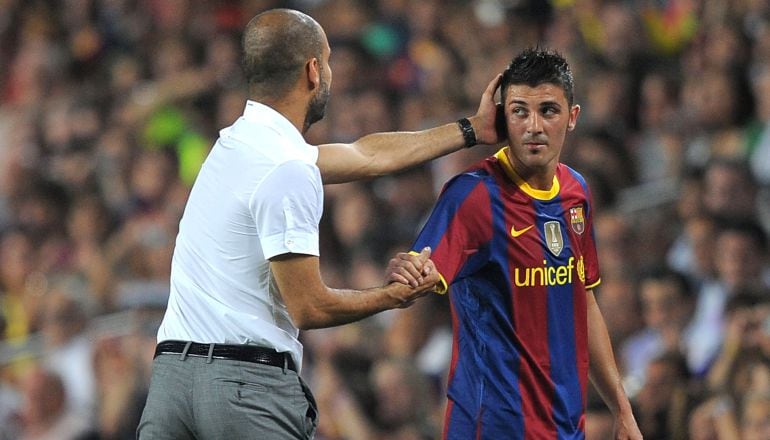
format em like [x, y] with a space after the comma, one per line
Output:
[291, 107]
[540, 179]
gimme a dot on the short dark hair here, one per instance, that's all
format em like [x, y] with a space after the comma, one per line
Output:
[747, 227]
[276, 45]
[662, 273]
[535, 66]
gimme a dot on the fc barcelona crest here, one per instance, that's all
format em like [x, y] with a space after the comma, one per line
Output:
[577, 220]
[553, 237]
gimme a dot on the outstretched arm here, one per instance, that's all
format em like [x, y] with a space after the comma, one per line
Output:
[382, 153]
[312, 304]
[604, 374]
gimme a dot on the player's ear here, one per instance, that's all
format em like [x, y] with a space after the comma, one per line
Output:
[573, 115]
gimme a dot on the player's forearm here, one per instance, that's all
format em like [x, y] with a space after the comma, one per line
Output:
[603, 370]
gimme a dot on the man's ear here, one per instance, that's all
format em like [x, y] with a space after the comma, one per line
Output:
[573, 115]
[313, 68]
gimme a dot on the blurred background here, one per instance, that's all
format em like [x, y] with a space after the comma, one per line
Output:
[108, 107]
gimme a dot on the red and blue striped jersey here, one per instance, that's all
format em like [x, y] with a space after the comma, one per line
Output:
[518, 262]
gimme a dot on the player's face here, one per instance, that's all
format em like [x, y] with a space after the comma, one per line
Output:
[537, 119]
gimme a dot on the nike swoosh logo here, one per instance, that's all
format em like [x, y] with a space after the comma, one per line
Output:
[516, 233]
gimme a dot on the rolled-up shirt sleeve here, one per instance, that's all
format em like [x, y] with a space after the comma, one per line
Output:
[287, 208]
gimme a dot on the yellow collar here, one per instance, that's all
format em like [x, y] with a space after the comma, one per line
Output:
[539, 194]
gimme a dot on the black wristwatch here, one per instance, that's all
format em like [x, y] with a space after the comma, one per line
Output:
[469, 134]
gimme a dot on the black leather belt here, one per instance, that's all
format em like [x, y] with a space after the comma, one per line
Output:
[245, 353]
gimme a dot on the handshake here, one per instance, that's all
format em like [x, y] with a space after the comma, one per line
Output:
[415, 273]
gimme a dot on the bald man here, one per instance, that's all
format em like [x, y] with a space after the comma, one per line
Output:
[245, 275]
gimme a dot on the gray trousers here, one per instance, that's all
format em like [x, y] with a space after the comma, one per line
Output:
[192, 399]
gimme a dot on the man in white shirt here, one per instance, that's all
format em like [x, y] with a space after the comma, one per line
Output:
[245, 274]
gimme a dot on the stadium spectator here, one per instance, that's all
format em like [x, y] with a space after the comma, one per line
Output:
[666, 307]
[44, 413]
[739, 265]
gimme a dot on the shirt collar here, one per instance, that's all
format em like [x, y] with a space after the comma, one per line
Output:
[538, 194]
[259, 113]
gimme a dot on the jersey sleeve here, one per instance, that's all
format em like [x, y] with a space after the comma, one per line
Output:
[593, 277]
[458, 226]
[287, 208]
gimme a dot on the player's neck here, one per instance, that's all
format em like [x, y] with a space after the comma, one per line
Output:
[541, 183]
[540, 178]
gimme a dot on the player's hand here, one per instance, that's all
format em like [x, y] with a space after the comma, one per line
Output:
[409, 268]
[414, 270]
[626, 428]
[489, 120]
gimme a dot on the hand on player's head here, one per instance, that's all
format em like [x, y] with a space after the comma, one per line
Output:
[489, 120]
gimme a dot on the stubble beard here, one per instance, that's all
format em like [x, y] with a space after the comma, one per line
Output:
[316, 108]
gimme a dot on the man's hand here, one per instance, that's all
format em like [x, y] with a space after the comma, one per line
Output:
[410, 268]
[414, 270]
[489, 122]
[626, 428]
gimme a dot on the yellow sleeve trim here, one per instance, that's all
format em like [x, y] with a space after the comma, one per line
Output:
[442, 286]
[589, 287]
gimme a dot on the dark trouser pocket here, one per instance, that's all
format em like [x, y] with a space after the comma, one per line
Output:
[311, 416]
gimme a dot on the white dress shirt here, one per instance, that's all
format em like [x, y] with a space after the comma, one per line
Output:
[258, 194]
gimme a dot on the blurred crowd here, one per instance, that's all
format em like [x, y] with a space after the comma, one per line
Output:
[108, 107]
